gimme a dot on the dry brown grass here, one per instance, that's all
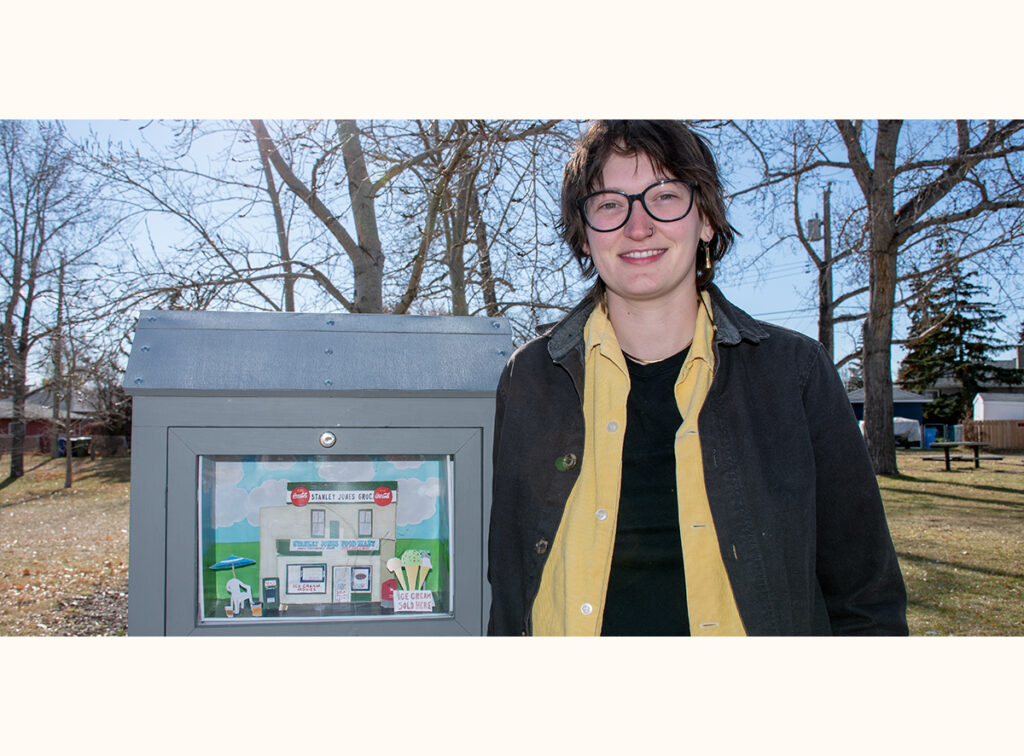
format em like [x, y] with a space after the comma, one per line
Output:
[64, 552]
[959, 536]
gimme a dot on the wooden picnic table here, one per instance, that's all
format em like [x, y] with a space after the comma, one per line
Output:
[947, 445]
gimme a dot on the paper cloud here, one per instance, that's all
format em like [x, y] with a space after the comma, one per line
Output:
[234, 504]
[417, 500]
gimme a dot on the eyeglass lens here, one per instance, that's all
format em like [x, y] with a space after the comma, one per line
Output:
[664, 201]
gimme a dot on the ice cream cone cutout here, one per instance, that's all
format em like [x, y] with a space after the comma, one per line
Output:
[395, 565]
[411, 562]
[425, 566]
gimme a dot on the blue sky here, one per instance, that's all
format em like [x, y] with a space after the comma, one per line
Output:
[779, 288]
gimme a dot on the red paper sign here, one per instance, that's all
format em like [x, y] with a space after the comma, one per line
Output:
[300, 496]
[382, 496]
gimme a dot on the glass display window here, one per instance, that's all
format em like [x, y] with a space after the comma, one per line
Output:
[324, 536]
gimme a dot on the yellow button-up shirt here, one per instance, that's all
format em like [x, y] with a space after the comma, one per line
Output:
[570, 600]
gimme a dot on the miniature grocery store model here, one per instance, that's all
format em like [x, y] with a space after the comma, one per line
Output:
[298, 474]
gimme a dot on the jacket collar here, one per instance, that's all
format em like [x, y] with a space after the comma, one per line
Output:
[732, 325]
[567, 334]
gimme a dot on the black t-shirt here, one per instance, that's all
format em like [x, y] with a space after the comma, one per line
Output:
[647, 587]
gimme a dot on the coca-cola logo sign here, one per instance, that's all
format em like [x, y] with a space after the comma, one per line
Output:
[382, 496]
[300, 496]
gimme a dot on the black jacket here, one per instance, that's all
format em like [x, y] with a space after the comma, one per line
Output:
[792, 492]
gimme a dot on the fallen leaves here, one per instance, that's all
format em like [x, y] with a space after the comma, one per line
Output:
[63, 558]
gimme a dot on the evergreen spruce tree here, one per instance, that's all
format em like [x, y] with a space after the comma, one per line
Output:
[955, 337]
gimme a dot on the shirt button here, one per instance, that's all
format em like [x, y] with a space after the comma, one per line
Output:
[586, 609]
[541, 547]
[613, 426]
[601, 514]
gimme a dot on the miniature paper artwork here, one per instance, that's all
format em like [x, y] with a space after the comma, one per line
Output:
[328, 531]
[414, 601]
[415, 564]
[411, 561]
[342, 584]
[239, 592]
[394, 564]
[424, 567]
[387, 593]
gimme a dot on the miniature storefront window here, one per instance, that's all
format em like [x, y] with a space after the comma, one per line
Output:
[264, 550]
[319, 523]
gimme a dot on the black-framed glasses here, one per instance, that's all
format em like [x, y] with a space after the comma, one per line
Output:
[608, 210]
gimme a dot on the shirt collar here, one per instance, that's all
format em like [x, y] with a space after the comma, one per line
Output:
[702, 347]
[600, 335]
[731, 325]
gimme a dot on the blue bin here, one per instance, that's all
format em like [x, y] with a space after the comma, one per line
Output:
[930, 434]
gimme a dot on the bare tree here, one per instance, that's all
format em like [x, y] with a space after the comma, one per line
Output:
[375, 216]
[201, 189]
[47, 215]
[910, 183]
[478, 215]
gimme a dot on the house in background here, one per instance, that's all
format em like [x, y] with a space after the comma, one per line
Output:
[904, 404]
[39, 420]
[947, 385]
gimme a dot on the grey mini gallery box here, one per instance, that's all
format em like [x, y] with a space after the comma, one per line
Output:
[301, 474]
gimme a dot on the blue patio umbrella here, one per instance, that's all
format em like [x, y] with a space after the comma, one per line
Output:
[232, 562]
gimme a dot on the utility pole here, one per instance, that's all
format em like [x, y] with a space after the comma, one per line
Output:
[815, 232]
[825, 325]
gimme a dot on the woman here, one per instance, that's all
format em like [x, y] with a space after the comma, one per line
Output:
[663, 463]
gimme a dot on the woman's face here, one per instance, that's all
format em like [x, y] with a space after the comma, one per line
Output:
[647, 260]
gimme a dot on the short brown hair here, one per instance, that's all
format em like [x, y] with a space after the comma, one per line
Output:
[672, 147]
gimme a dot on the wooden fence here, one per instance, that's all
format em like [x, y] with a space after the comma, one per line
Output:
[1001, 434]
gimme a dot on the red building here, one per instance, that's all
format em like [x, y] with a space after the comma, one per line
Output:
[39, 422]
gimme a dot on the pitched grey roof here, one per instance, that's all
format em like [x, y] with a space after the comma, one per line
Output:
[1016, 398]
[177, 352]
[32, 411]
[899, 396]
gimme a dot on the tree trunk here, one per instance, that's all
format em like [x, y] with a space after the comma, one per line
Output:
[877, 364]
[456, 252]
[67, 443]
[368, 267]
[54, 420]
[438, 195]
[367, 273]
[282, 231]
[484, 255]
[17, 426]
[878, 406]
[58, 371]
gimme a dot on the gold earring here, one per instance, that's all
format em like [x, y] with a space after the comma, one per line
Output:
[707, 256]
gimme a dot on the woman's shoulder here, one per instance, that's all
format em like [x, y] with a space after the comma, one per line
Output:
[536, 349]
[787, 338]
[784, 352]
